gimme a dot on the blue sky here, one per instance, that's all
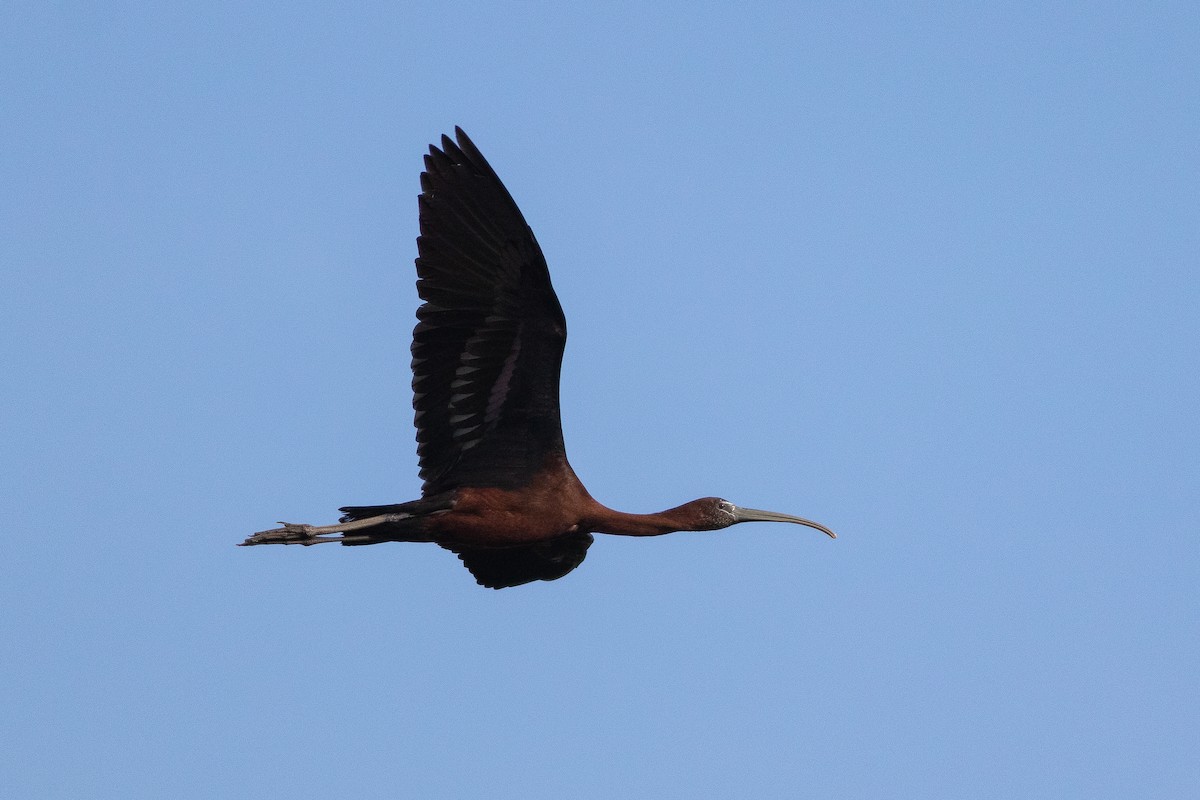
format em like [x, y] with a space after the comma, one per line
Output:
[926, 273]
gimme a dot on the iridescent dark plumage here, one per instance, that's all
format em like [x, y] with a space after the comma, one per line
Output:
[487, 352]
[489, 339]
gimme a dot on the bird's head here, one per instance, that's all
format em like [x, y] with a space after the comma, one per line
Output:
[714, 513]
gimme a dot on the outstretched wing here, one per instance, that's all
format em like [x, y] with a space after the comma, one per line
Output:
[489, 338]
[513, 566]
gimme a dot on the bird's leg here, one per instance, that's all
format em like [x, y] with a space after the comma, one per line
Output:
[293, 533]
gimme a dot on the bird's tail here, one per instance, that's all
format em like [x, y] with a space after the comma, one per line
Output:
[405, 520]
[413, 508]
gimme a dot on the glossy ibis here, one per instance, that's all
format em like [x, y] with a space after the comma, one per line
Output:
[487, 349]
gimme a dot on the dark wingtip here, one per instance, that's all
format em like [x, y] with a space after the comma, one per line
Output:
[464, 141]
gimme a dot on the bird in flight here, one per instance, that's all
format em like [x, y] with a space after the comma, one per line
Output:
[487, 350]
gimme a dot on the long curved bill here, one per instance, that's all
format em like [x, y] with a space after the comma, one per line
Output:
[754, 515]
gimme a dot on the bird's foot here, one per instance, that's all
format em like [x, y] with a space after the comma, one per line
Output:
[299, 533]
[290, 533]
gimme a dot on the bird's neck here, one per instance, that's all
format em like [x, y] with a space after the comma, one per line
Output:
[606, 520]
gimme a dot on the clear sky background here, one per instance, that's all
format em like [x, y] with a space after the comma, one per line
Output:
[927, 273]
